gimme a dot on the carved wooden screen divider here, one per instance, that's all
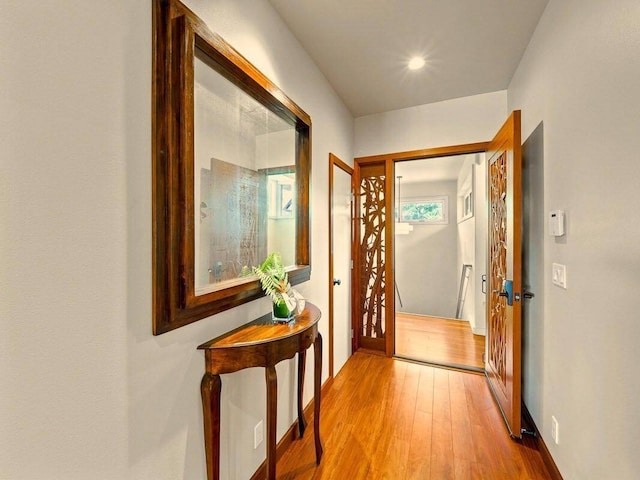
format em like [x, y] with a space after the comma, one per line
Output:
[498, 267]
[372, 257]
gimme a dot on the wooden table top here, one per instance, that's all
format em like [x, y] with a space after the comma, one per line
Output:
[264, 330]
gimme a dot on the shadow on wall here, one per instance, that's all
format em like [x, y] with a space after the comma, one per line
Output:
[533, 220]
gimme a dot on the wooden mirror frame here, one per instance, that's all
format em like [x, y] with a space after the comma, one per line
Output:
[177, 33]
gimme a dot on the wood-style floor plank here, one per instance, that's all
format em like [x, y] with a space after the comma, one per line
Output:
[441, 433]
[438, 340]
[424, 402]
[419, 458]
[389, 419]
[463, 448]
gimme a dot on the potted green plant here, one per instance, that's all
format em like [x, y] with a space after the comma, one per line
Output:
[275, 283]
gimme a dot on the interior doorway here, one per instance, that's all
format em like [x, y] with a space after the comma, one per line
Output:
[439, 259]
[374, 227]
[374, 247]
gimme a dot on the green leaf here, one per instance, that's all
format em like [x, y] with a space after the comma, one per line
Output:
[273, 277]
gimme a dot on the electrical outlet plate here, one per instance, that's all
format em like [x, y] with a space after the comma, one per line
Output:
[554, 429]
[559, 275]
[258, 434]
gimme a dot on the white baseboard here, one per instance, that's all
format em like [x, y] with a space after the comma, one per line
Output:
[479, 331]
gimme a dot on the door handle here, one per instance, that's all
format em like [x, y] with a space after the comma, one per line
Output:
[484, 283]
[337, 281]
[507, 291]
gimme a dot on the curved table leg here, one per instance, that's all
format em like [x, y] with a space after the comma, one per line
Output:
[317, 387]
[210, 389]
[272, 410]
[302, 360]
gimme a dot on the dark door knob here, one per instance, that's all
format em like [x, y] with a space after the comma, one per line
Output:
[337, 281]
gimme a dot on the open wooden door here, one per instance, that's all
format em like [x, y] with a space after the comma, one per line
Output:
[504, 293]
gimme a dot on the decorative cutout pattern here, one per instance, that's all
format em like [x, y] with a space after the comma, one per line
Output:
[372, 255]
[498, 266]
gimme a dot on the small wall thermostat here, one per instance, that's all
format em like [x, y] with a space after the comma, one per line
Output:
[556, 223]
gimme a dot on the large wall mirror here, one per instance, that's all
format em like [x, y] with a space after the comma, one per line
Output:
[231, 166]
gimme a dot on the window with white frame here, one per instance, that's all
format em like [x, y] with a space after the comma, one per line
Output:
[425, 210]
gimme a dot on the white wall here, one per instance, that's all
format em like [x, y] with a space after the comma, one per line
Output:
[466, 242]
[425, 259]
[452, 122]
[480, 218]
[87, 391]
[472, 242]
[579, 78]
[69, 123]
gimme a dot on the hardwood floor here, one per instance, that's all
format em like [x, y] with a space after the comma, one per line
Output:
[390, 419]
[438, 340]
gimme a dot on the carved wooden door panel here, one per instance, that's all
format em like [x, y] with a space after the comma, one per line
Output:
[371, 258]
[504, 295]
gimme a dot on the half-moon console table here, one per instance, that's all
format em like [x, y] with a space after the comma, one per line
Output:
[260, 343]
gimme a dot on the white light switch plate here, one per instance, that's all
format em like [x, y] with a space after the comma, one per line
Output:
[258, 434]
[559, 275]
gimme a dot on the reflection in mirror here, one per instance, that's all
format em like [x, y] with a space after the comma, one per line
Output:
[281, 229]
[244, 182]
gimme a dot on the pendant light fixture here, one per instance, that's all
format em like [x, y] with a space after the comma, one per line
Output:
[401, 228]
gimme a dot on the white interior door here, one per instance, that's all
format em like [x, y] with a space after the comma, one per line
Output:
[341, 247]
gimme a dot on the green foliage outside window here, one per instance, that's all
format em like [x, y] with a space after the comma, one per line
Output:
[421, 211]
[426, 210]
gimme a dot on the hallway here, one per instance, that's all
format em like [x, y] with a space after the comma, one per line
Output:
[385, 418]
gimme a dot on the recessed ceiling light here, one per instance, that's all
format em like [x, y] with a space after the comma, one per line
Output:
[416, 63]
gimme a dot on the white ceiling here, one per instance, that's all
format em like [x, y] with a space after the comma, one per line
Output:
[431, 169]
[362, 46]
